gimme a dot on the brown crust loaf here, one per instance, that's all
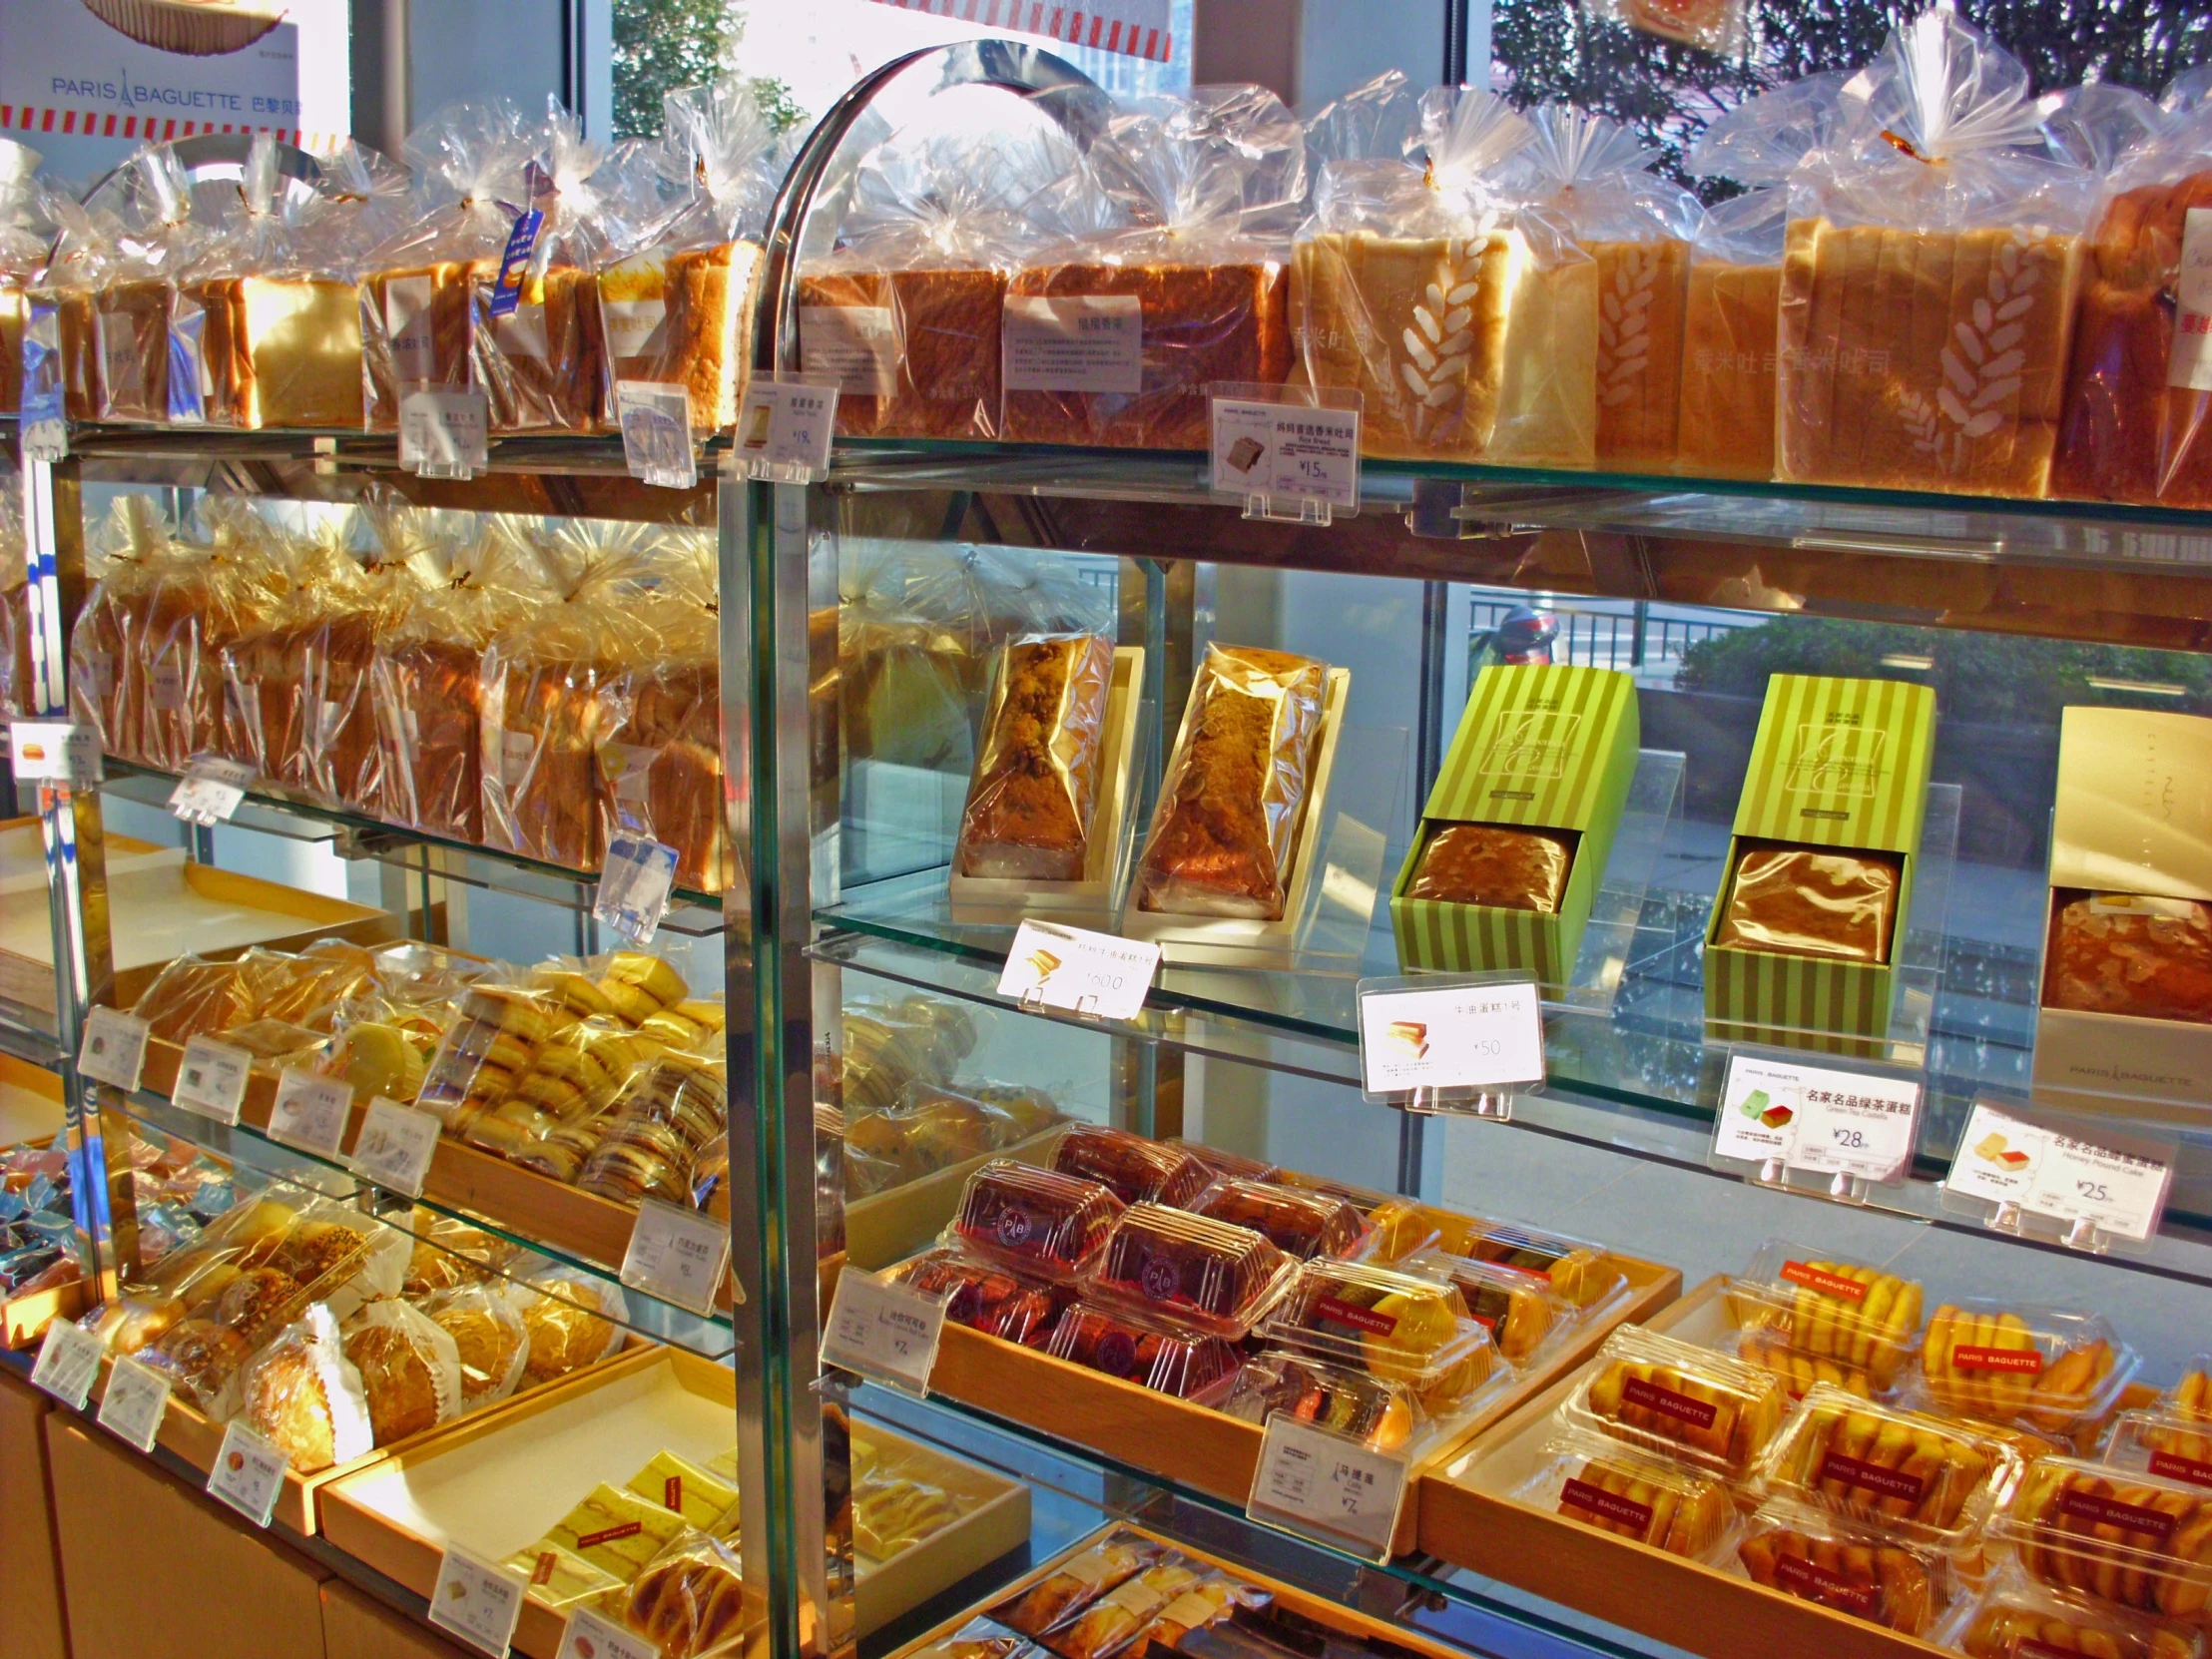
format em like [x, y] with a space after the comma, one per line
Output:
[1494, 865]
[1801, 901]
[2152, 960]
[945, 383]
[1029, 808]
[1726, 428]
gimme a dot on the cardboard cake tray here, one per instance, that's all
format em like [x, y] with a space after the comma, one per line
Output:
[495, 1484]
[1196, 1447]
[891, 1225]
[1000, 901]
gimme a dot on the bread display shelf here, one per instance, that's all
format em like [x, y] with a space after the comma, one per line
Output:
[989, 901]
[1193, 1447]
[890, 1225]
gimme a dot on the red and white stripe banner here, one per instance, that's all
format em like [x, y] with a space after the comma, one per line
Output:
[27, 118]
[1138, 28]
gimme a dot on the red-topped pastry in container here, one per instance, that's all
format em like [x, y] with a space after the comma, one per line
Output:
[1219, 1276]
[1187, 1363]
[1017, 1307]
[1298, 1223]
[1137, 1170]
[1037, 1218]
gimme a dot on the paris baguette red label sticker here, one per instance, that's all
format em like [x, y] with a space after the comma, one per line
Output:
[2025, 1359]
[2110, 1511]
[608, 1534]
[2178, 1468]
[1821, 1280]
[1872, 1477]
[1359, 1318]
[542, 1573]
[1580, 1494]
[1816, 1583]
[1652, 1398]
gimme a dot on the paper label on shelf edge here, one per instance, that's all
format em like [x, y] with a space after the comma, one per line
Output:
[1326, 1485]
[784, 429]
[55, 751]
[1862, 1124]
[395, 1146]
[249, 1472]
[2006, 1160]
[68, 1363]
[884, 1329]
[2189, 359]
[211, 1078]
[1285, 451]
[310, 1112]
[1081, 342]
[634, 887]
[590, 1636]
[136, 1401]
[657, 443]
[856, 345]
[1461, 1037]
[1097, 976]
[445, 434]
[478, 1601]
[211, 790]
[677, 1256]
[114, 1049]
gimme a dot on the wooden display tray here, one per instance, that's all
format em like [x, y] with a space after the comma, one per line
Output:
[891, 1225]
[1196, 1447]
[996, 901]
[1243, 941]
[491, 1472]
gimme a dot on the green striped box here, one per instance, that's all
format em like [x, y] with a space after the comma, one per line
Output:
[1840, 763]
[1541, 747]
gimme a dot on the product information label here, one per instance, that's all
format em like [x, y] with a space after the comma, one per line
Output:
[588, 1636]
[1465, 1037]
[55, 751]
[444, 434]
[135, 1402]
[785, 428]
[414, 355]
[657, 441]
[1870, 1477]
[522, 240]
[2189, 361]
[1697, 1413]
[884, 1329]
[1090, 342]
[677, 1255]
[1781, 1114]
[211, 790]
[634, 326]
[1605, 1506]
[1816, 1583]
[310, 1112]
[397, 1145]
[249, 1472]
[856, 345]
[634, 887]
[478, 1601]
[2022, 1167]
[211, 1079]
[1286, 452]
[68, 1363]
[2174, 1466]
[114, 1049]
[1326, 1485]
[1097, 976]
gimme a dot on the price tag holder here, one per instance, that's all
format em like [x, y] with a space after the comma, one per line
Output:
[249, 1472]
[478, 1601]
[590, 1636]
[634, 887]
[1287, 460]
[884, 1331]
[1855, 1129]
[2091, 1190]
[395, 1146]
[211, 790]
[678, 1256]
[784, 429]
[1096, 975]
[114, 1049]
[55, 751]
[68, 1363]
[1464, 1045]
[657, 441]
[211, 1079]
[310, 1112]
[1325, 1485]
[134, 1404]
[445, 434]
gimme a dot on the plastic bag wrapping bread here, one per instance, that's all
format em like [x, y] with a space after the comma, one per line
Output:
[1593, 176]
[1470, 333]
[1930, 277]
[676, 303]
[469, 163]
[24, 240]
[490, 1343]
[1236, 786]
[85, 254]
[1036, 779]
[132, 305]
[269, 711]
[570, 1321]
[344, 760]
[125, 554]
[1191, 287]
[658, 727]
[305, 1394]
[18, 694]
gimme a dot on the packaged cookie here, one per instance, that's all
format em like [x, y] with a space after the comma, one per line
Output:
[1300, 1223]
[1522, 1310]
[1654, 1500]
[2051, 1370]
[1863, 1318]
[1853, 1571]
[570, 1321]
[1169, 1263]
[1393, 1326]
[2135, 1540]
[494, 1042]
[985, 1296]
[1137, 1170]
[1916, 1476]
[1036, 780]
[1114, 1620]
[2163, 1441]
[1679, 1402]
[1035, 1220]
[2020, 1619]
[1186, 1362]
[665, 1111]
[1379, 1413]
[928, 1129]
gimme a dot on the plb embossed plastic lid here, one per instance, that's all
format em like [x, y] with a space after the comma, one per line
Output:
[2134, 1539]
[1615, 1488]
[2053, 1369]
[1219, 1276]
[1138, 1171]
[1186, 1362]
[1523, 1312]
[1298, 1223]
[1037, 1218]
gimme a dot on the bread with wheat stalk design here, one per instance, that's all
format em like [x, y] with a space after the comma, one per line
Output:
[1642, 290]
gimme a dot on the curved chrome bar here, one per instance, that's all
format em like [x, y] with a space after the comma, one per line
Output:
[214, 163]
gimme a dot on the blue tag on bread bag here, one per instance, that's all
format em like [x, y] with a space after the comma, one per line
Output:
[522, 241]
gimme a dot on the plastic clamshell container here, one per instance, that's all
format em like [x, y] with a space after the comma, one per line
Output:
[1797, 1372]
[1035, 1219]
[2162, 1441]
[1187, 1363]
[1391, 1324]
[1654, 1500]
[1170, 1264]
[2191, 1394]
[1300, 1223]
[2048, 1368]
[987, 1296]
[1223, 1163]
[1706, 1408]
[2020, 1620]
[1135, 1170]
[1916, 1476]
[1579, 1271]
[1380, 1414]
[1525, 1313]
[1828, 1308]
[1850, 1569]
[2130, 1538]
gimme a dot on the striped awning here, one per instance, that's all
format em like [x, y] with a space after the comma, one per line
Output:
[152, 129]
[1136, 27]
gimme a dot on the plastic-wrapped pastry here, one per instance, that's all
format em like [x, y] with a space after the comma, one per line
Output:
[2133, 1540]
[193, 997]
[1520, 1308]
[1602, 1483]
[691, 1602]
[1135, 1170]
[988, 1298]
[1389, 1325]
[493, 1043]
[684, 1488]
[1112, 1622]
[409, 1368]
[1917, 1476]
[928, 1129]
[1030, 801]
[2052, 1370]
[570, 1322]
[1038, 1220]
[1801, 902]
[1300, 1223]
[304, 1394]
[667, 1111]
[1798, 1373]
[490, 1338]
[2132, 953]
[979, 1638]
[616, 1531]
[1682, 1401]
[1236, 789]
[1494, 865]
[2020, 1620]
[1857, 1573]
[1186, 1364]
[1219, 1276]
[1382, 1414]
[1075, 1583]
[1857, 1316]
[1224, 1163]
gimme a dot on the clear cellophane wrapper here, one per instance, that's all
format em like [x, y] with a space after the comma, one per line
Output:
[490, 1342]
[690, 1601]
[1928, 278]
[410, 1366]
[85, 254]
[1236, 786]
[1186, 206]
[2017, 1618]
[305, 1396]
[667, 1109]
[24, 234]
[345, 759]
[131, 308]
[887, 1046]
[658, 727]
[1036, 779]
[675, 297]
[1469, 328]
[17, 696]
[127, 553]
[270, 715]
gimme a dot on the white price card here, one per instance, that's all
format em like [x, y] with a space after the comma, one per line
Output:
[1481, 1036]
[677, 1255]
[211, 1079]
[114, 1049]
[1781, 1115]
[1286, 452]
[784, 429]
[68, 1363]
[211, 790]
[2088, 1187]
[884, 1329]
[444, 434]
[135, 1402]
[657, 442]
[634, 887]
[395, 1146]
[55, 751]
[1098, 975]
[249, 1472]
[590, 1636]
[310, 1112]
[1328, 1487]
[478, 1601]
